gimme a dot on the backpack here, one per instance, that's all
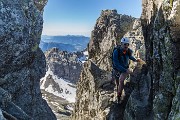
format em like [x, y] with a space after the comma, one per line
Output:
[119, 54]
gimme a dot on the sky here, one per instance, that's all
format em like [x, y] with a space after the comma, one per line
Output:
[78, 17]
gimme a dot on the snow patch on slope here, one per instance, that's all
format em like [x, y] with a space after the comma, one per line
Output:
[68, 92]
[84, 58]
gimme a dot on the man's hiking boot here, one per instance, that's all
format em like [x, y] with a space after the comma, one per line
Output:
[119, 98]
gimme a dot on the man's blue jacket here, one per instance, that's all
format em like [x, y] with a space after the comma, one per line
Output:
[121, 62]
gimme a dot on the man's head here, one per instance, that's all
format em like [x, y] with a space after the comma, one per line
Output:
[125, 43]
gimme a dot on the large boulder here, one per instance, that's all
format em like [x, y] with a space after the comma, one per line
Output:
[94, 93]
[22, 63]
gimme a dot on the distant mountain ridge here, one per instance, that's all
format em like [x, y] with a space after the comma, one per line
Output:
[70, 43]
[64, 47]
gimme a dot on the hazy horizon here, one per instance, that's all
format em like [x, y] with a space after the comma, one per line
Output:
[66, 35]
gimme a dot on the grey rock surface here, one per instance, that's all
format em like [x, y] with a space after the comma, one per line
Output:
[137, 39]
[160, 21]
[63, 64]
[94, 93]
[22, 63]
[1, 116]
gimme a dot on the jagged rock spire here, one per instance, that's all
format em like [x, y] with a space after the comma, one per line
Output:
[109, 28]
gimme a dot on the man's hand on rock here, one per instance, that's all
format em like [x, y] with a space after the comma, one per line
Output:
[138, 60]
[129, 71]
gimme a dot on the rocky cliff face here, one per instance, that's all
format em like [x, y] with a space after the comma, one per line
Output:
[22, 63]
[137, 39]
[160, 20]
[109, 28]
[63, 64]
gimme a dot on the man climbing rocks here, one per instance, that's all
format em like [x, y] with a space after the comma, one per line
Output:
[121, 57]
